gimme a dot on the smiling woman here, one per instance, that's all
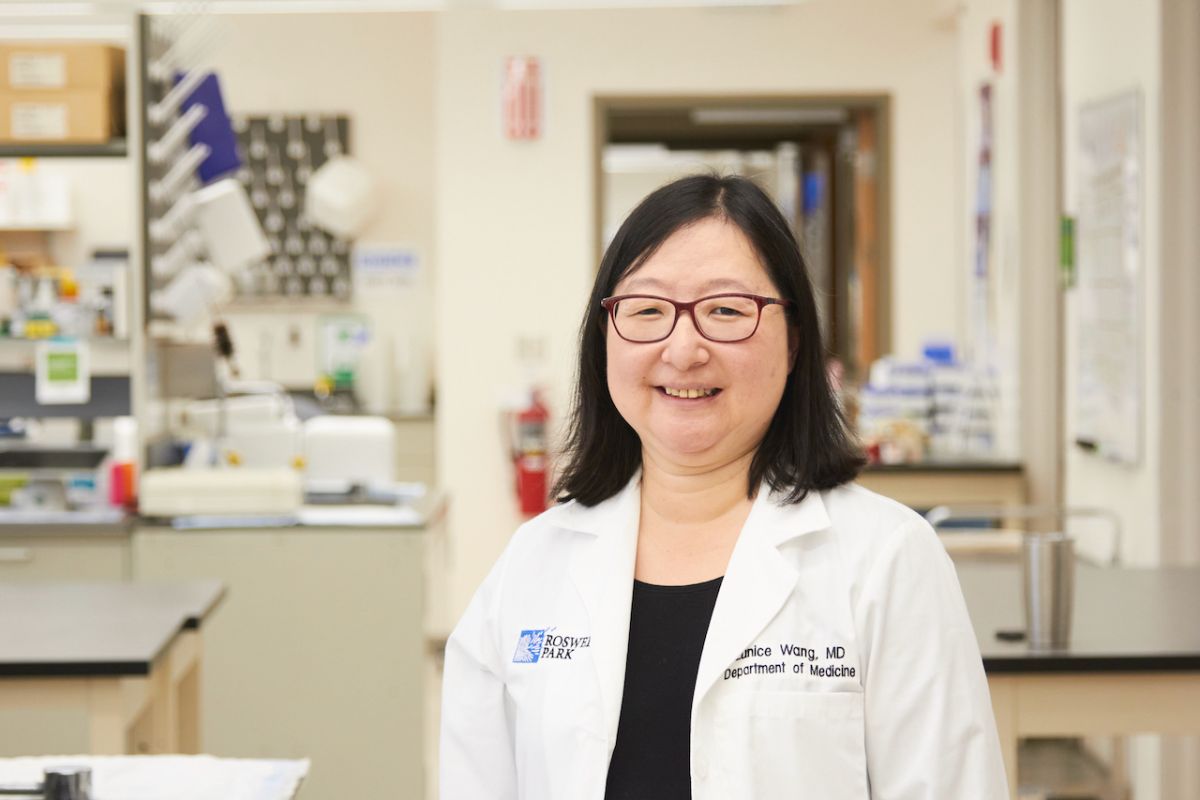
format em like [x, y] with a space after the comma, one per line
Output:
[697, 237]
[740, 381]
[756, 624]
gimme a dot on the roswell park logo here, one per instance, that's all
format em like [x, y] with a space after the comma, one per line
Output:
[534, 645]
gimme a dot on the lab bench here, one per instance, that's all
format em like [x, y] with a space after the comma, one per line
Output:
[1133, 664]
[322, 642]
[102, 667]
[319, 650]
[923, 486]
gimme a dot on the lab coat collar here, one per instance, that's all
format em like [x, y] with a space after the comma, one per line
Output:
[603, 517]
[757, 582]
[778, 522]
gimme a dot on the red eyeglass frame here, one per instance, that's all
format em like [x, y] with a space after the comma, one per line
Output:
[610, 304]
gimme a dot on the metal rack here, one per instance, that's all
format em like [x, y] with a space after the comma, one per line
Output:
[156, 43]
[116, 389]
[117, 148]
[279, 152]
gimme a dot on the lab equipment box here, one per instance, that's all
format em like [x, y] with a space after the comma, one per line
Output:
[61, 92]
[42, 66]
[81, 116]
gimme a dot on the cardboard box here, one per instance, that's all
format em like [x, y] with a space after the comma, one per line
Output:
[55, 66]
[79, 116]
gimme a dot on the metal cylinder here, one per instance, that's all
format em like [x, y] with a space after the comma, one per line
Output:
[1049, 570]
[68, 783]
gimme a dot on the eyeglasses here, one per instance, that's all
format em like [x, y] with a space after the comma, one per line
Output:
[644, 318]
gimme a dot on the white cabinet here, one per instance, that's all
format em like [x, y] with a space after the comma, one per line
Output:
[317, 651]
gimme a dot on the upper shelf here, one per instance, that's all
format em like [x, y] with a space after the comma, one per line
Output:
[117, 148]
[36, 227]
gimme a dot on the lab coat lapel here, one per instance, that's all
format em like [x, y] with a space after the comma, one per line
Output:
[758, 581]
[603, 575]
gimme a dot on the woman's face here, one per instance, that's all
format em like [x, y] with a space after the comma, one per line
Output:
[709, 257]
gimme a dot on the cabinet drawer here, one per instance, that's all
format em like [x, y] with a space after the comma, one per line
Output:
[64, 558]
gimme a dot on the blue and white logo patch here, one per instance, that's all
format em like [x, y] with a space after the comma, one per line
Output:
[529, 647]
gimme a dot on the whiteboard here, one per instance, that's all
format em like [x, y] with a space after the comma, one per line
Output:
[1108, 397]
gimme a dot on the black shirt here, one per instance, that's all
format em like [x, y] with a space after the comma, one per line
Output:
[667, 626]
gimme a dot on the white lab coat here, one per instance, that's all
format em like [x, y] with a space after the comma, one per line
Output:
[840, 663]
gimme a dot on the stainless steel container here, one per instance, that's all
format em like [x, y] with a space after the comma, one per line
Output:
[59, 783]
[68, 783]
[1049, 570]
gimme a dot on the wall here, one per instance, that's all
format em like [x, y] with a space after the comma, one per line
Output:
[1108, 47]
[991, 325]
[103, 205]
[1180, 253]
[515, 239]
[377, 68]
[1179, 325]
[1024, 292]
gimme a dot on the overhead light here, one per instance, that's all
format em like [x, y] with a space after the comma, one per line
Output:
[656, 158]
[47, 9]
[768, 116]
[547, 5]
[168, 7]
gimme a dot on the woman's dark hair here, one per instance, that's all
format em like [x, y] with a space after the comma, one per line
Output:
[807, 445]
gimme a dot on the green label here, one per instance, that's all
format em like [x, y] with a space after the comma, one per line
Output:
[62, 367]
[1066, 251]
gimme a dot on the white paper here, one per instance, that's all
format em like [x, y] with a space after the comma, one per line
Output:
[385, 266]
[170, 777]
[358, 516]
[37, 71]
[34, 195]
[1107, 412]
[39, 120]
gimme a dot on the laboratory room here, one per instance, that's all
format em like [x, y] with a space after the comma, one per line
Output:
[555, 399]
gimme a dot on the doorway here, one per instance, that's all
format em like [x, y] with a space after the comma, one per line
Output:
[823, 159]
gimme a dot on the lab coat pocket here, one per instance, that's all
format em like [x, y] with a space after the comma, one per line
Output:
[795, 743]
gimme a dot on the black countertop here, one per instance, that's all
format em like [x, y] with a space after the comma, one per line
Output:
[93, 629]
[1125, 619]
[415, 513]
[948, 466]
[95, 522]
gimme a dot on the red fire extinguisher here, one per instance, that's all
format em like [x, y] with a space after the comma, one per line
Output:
[530, 455]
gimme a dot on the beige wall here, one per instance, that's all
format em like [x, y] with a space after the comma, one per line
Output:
[1178, 321]
[1025, 298]
[515, 219]
[997, 344]
[1108, 47]
[103, 204]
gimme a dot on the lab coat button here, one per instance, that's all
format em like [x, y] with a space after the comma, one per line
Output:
[700, 768]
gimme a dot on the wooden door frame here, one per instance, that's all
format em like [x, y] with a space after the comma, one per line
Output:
[1179, 328]
[1042, 382]
[879, 104]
